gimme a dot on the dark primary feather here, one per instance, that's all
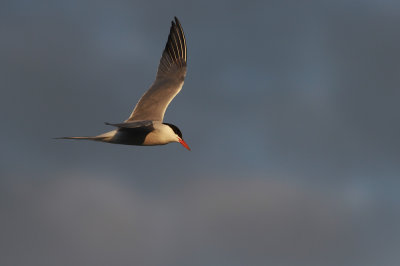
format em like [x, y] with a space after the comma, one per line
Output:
[174, 55]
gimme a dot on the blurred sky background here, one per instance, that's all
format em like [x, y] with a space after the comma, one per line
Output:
[291, 109]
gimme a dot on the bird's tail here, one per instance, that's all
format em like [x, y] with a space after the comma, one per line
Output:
[82, 138]
[105, 137]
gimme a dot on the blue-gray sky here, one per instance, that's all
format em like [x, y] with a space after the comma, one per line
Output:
[290, 108]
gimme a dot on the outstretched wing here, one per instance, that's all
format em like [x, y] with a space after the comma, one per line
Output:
[169, 80]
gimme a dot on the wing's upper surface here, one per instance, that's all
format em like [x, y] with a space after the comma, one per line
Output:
[169, 80]
[133, 124]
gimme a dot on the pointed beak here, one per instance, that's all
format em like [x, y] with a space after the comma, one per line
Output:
[181, 141]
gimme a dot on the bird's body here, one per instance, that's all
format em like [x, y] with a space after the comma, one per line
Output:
[145, 125]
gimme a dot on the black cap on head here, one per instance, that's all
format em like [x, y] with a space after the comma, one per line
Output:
[175, 129]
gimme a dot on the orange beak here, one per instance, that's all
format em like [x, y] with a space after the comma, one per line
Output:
[181, 141]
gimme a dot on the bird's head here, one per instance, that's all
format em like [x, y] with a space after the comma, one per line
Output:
[178, 135]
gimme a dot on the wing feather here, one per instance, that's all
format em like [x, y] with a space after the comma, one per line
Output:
[169, 80]
[133, 124]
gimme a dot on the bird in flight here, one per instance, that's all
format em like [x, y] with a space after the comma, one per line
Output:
[145, 125]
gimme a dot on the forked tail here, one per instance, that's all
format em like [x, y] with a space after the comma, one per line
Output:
[105, 137]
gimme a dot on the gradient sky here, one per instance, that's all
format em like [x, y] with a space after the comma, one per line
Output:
[291, 109]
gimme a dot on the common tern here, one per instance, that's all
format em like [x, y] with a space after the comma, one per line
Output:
[145, 125]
